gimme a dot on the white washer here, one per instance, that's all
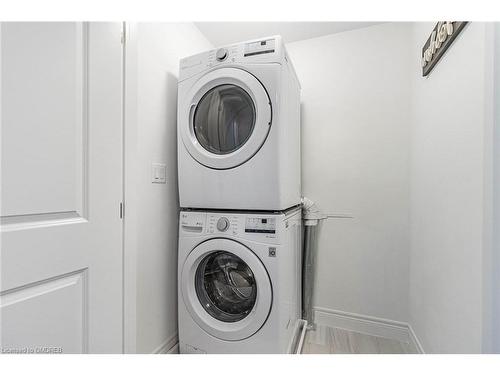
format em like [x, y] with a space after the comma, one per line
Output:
[238, 127]
[239, 287]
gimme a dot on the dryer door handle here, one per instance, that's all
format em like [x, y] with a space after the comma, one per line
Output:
[191, 115]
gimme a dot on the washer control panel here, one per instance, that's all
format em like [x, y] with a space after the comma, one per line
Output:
[260, 225]
[255, 226]
[222, 224]
[193, 219]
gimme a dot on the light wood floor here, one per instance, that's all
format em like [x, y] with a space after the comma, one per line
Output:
[327, 340]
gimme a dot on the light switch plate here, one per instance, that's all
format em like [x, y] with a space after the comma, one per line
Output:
[158, 173]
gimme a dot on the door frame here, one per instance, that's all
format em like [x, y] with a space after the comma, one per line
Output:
[130, 170]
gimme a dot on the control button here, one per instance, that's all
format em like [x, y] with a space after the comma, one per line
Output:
[221, 54]
[222, 224]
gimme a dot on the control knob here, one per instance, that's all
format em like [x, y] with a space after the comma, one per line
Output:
[222, 224]
[221, 54]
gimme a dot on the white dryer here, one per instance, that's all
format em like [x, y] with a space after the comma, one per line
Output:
[239, 281]
[238, 128]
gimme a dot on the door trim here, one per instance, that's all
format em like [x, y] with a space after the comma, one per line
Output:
[130, 173]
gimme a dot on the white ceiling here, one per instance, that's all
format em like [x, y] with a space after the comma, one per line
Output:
[223, 33]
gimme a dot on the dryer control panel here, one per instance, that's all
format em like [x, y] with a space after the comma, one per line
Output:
[268, 50]
[260, 47]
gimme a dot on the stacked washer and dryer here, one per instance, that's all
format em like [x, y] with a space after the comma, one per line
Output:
[239, 273]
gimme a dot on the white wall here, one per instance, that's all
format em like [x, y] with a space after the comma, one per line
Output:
[364, 110]
[450, 194]
[355, 129]
[496, 196]
[159, 46]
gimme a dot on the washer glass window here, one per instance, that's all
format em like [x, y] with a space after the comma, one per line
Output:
[225, 286]
[224, 119]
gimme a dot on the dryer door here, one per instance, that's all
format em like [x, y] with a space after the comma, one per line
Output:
[226, 119]
[226, 289]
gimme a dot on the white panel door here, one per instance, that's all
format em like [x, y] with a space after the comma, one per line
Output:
[61, 180]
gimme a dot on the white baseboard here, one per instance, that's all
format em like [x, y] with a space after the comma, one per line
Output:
[368, 325]
[297, 337]
[168, 346]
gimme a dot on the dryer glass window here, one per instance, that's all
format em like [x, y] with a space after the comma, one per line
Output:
[224, 119]
[225, 286]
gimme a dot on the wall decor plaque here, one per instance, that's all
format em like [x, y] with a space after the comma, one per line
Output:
[442, 36]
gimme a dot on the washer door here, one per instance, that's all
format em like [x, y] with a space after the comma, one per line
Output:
[226, 119]
[226, 289]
